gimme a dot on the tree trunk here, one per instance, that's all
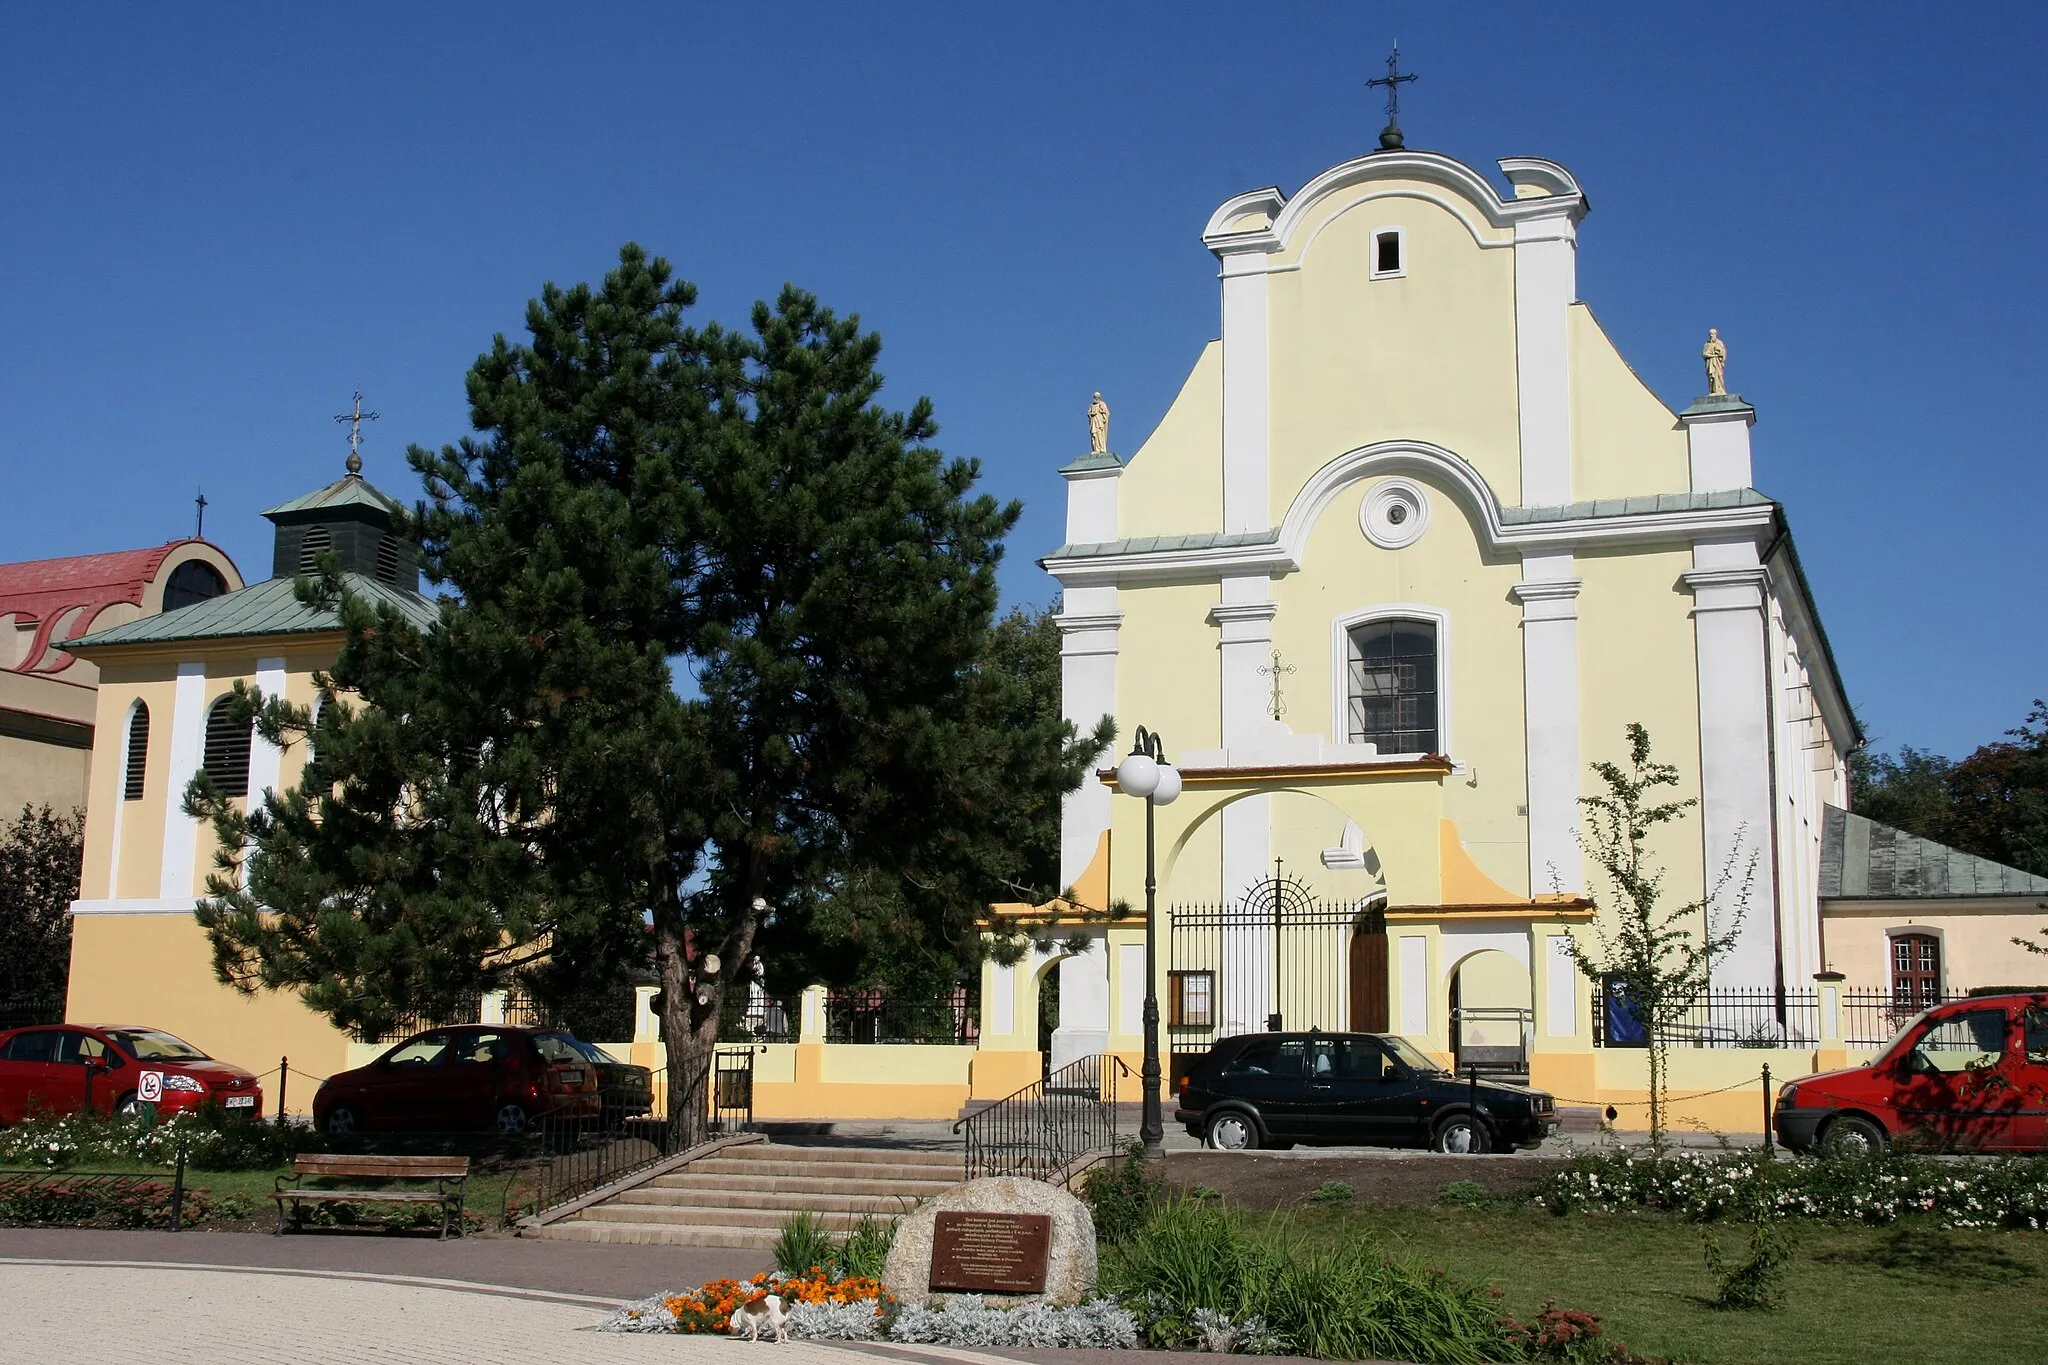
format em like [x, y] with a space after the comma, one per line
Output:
[690, 1032]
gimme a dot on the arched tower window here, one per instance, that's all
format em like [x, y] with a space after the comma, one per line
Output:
[1916, 971]
[1391, 685]
[138, 753]
[227, 749]
[316, 542]
[193, 581]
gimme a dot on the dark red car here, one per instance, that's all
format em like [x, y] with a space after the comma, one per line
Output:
[52, 1069]
[1970, 1076]
[490, 1076]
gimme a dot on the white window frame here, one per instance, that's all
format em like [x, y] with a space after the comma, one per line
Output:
[1400, 236]
[1340, 658]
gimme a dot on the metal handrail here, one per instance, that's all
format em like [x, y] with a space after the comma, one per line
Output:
[1040, 1130]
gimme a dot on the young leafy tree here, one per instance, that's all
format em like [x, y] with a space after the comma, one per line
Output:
[1906, 791]
[713, 685]
[40, 857]
[1658, 960]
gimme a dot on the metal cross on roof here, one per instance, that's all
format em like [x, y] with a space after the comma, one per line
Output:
[199, 530]
[1390, 136]
[1276, 704]
[355, 422]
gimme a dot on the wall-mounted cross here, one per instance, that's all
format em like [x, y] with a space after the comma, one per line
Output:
[1390, 136]
[1276, 704]
[355, 422]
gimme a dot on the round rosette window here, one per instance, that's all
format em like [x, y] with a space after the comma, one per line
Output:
[1395, 513]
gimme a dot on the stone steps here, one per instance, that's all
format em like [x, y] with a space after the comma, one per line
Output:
[742, 1196]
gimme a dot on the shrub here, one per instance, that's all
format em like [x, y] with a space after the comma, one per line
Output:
[1330, 1192]
[1190, 1255]
[1567, 1337]
[865, 1249]
[819, 1306]
[803, 1245]
[968, 1320]
[1122, 1193]
[214, 1141]
[1464, 1194]
[1351, 1303]
[81, 1203]
[1758, 1282]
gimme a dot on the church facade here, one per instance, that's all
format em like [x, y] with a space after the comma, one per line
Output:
[1410, 549]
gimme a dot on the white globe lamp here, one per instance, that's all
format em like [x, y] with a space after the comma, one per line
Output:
[1138, 774]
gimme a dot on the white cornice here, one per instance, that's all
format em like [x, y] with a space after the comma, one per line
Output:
[1243, 611]
[1283, 554]
[1546, 590]
[175, 905]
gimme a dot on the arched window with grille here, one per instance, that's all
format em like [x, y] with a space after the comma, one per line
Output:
[1916, 971]
[193, 581]
[137, 761]
[316, 542]
[227, 749]
[1391, 686]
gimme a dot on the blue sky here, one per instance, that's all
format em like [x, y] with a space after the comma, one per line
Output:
[221, 220]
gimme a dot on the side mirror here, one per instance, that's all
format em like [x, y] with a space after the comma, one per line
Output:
[1390, 1072]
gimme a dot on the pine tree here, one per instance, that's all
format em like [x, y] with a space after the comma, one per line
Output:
[712, 681]
[41, 854]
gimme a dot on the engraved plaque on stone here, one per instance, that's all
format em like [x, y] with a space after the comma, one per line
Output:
[991, 1253]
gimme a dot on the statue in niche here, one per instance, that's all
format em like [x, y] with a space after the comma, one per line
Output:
[1098, 426]
[1715, 353]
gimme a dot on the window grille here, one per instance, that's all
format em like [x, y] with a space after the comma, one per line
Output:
[1916, 971]
[227, 749]
[138, 753]
[1392, 686]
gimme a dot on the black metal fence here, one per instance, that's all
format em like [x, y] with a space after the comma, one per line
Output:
[604, 1016]
[1043, 1128]
[883, 1016]
[1277, 959]
[36, 1010]
[468, 1011]
[1751, 1018]
[1870, 1018]
[750, 1018]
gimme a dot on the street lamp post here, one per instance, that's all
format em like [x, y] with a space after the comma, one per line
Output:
[1147, 775]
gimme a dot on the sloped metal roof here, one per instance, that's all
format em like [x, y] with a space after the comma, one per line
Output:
[266, 608]
[350, 490]
[1863, 860]
[1647, 504]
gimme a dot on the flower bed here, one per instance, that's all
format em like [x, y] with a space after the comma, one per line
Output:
[1975, 1193]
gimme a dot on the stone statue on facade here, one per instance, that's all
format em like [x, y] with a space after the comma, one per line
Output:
[1098, 425]
[1715, 353]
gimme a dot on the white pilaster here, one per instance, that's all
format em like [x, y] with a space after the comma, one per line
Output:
[1088, 629]
[1546, 285]
[1728, 587]
[188, 748]
[1091, 499]
[1550, 706]
[1717, 440]
[1084, 1005]
[1247, 386]
[266, 760]
[1244, 622]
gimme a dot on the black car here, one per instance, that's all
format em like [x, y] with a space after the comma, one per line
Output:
[1353, 1089]
[626, 1090]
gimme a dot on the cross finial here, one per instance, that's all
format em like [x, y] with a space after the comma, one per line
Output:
[1276, 705]
[199, 502]
[355, 422]
[1390, 136]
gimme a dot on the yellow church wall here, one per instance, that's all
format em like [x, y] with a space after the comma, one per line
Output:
[1169, 676]
[1174, 484]
[1636, 663]
[1447, 569]
[158, 970]
[1429, 355]
[1625, 442]
[140, 822]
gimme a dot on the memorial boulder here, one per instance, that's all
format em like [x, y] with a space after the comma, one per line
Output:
[1009, 1239]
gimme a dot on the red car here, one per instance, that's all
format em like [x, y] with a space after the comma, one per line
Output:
[52, 1069]
[490, 1076]
[1971, 1076]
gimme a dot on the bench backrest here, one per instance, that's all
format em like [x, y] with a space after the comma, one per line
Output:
[382, 1167]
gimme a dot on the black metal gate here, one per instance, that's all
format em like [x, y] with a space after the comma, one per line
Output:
[1277, 958]
[732, 1089]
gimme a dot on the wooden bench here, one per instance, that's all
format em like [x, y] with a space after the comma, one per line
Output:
[449, 1174]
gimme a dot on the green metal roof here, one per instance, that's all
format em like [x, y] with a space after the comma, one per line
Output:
[1144, 545]
[266, 608]
[1863, 860]
[1094, 459]
[1647, 505]
[350, 490]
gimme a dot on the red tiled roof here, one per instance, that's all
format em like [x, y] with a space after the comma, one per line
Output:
[44, 591]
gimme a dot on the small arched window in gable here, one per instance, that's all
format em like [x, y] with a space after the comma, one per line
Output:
[1392, 686]
[138, 753]
[387, 560]
[193, 581]
[227, 749]
[316, 542]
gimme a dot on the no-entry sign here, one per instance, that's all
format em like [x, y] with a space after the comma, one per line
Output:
[149, 1087]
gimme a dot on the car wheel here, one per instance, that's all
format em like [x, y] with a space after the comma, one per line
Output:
[510, 1120]
[126, 1105]
[343, 1121]
[1852, 1135]
[1460, 1135]
[1232, 1131]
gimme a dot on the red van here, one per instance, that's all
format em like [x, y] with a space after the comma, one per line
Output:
[1968, 1076]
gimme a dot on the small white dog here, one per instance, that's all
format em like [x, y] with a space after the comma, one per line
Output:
[762, 1317]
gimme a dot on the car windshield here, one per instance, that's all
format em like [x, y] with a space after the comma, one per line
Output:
[1904, 1029]
[590, 1052]
[149, 1045]
[563, 1047]
[1410, 1056]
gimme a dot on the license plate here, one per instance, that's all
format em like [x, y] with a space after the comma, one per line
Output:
[572, 1078]
[239, 1102]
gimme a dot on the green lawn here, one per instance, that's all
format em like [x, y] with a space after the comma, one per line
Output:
[1855, 1295]
[484, 1196]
